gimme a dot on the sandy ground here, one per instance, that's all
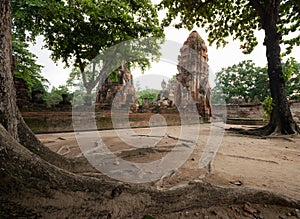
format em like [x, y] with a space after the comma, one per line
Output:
[271, 163]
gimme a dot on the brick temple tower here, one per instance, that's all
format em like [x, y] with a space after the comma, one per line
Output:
[193, 75]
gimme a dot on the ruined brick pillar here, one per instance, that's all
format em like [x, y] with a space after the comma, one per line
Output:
[118, 87]
[193, 75]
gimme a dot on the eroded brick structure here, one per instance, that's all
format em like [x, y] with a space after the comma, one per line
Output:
[117, 89]
[193, 75]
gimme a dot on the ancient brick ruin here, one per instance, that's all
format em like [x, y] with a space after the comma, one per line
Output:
[193, 75]
[191, 84]
[32, 101]
[117, 88]
[22, 94]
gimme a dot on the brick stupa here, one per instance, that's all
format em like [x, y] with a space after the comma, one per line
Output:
[193, 75]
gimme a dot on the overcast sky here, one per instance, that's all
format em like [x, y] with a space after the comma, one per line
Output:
[218, 59]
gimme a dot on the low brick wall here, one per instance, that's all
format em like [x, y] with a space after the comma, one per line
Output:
[244, 111]
[62, 121]
[247, 114]
[254, 111]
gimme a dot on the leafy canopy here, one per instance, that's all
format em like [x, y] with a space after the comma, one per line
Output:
[236, 18]
[77, 30]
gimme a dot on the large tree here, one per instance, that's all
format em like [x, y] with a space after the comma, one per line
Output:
[239, 19]
[10, 117]
[77, 31]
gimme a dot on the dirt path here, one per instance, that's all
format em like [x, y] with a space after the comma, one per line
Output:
[271, 164]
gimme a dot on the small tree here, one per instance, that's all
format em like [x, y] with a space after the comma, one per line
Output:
[267, 106]
[243, 80]
[151, 94]
[247, 81]
[54, 97]
[25, 65]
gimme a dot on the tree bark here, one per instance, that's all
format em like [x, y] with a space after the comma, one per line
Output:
[88, 97]
[8, 107]
[281, 120]
[10, 116]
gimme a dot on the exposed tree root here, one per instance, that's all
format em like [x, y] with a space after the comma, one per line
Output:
[180, 139]
[250, 158]
[30, 141]
[31, 185]
[64, 147]
[269, 130]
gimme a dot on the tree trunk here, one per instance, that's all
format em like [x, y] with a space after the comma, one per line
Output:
[10, 116]
[88, 97]
[281, 120]
[8, 107]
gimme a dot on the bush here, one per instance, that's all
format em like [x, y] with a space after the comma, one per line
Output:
[267, 106]
[54, 97]
[151, 94]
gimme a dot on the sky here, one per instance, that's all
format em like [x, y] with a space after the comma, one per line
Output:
[219, 58]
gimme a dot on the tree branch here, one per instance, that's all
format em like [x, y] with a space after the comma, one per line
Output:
[81, 66]
[105, 68]
[258, 8]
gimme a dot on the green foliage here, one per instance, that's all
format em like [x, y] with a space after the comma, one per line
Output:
[74, 79]
[289, 22]
[291, 73]
[243, 80]
[54, 96]
[148, 217]
[84, 27]
[289, 68]
[151, 94]
[77, 31]
[114, 76]
[267, 106]
[25, 66]
[247, 81]
[236, 18]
